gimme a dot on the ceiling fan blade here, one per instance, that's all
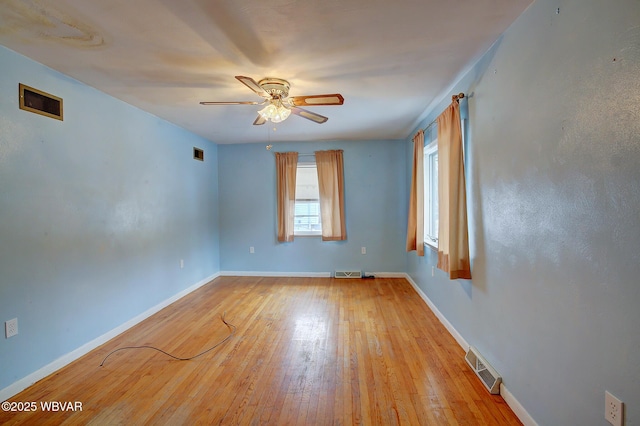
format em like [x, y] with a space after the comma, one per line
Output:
[309, 115]
[231, 103]
[260, 120]
[333, 99]
[251, 84]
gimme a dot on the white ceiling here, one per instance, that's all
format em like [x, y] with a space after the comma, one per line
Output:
[389, 59]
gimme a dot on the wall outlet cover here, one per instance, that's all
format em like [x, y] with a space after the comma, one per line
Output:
[11, 327]
[613, 409]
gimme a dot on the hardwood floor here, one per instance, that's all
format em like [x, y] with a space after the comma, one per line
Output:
[306, 351]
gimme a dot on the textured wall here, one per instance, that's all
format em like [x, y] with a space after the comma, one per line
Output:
[554, 185]
[375, 210]
[96, 212]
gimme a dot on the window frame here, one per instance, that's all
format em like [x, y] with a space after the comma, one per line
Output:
[307, 233]
[430, 174]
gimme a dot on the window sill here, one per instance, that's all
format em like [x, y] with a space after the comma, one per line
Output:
[432, 245]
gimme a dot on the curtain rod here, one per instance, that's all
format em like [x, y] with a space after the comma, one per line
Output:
[454, 98]
[299, 154]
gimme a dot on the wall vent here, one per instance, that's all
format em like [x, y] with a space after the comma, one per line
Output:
[39, 102]
[198, 154]
[484, 371]
[347, 274]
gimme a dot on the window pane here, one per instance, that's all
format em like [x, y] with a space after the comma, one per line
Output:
[307, 209]
[307, 215]
[431, 193]
[434, 195]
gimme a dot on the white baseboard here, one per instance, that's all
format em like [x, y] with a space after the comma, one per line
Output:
[50, 368]
[508, 397]
[387, 274]
[273, 274]
[516, 407]
[450, 328]
[304, 274]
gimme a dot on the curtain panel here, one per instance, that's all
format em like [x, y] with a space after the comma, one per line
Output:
[453, 235]
[286, 168]
[415, 228]
[331, 188]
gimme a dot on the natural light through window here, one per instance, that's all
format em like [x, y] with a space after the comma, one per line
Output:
[431, 186]
[431, 194]
[307, 212]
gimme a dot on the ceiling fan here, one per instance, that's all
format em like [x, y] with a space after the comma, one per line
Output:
[279, 105]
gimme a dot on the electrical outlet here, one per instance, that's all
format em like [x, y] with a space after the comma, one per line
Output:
[363, 250]
[252, 250]
[613, 409]
[11, 327]
[181, 263]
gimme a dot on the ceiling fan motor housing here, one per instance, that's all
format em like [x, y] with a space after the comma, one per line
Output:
[276, 87]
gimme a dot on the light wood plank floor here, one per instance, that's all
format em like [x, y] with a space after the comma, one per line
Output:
[306, 351]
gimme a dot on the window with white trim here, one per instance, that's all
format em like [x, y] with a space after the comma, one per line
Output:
[431, 185]
[306, 220]
[431, 193]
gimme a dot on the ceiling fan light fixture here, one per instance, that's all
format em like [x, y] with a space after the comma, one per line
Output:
[283, 114]
[275, 112]
[267, 112]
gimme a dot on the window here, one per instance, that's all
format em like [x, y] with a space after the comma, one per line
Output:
[431, 193]
[431, 187]
[306, 220]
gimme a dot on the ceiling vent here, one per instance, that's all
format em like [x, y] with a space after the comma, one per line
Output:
[39, 102]
[484, 371]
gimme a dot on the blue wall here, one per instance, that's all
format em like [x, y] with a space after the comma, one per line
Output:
[96, 212]
[554, 186]
[375, 207]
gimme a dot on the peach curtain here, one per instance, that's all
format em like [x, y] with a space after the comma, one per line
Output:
[331, 188]
[286, 168]
[415, 229]
[453, 235]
